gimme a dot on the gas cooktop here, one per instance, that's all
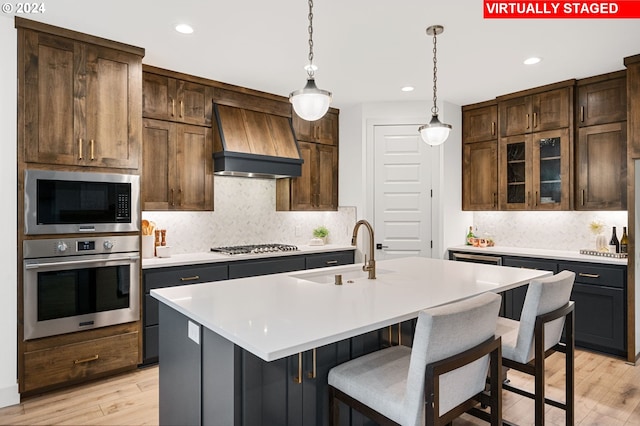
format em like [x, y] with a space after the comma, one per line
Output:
[252, 249]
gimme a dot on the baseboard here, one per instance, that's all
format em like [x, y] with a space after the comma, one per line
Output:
[9, 395]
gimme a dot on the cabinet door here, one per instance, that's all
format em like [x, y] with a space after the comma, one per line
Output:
[327, 129]
[551, 170]
[480, 176]
[193, 168]
[602, 102]
[480, 124]
[194, 105]
[302, 187]
[326, 186]
[515, 116]
[601, 167]
[159, 96]
[600, 318]
[551, 110]
[52, 134]
[514, 171]
[113, 108]
[303, 129]
[157, 150]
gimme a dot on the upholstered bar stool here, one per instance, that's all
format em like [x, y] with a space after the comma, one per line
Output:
[526, 343]
[441, 377]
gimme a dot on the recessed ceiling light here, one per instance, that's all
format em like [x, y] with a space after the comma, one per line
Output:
[184, 28]
[532, 60]
[407, 89]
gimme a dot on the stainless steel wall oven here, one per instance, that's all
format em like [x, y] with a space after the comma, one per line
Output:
[73, 284]
[57, 202]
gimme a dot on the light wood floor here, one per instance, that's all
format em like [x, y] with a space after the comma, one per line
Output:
[607, 393]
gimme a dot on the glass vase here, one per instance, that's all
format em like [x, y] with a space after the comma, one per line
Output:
[601, 242]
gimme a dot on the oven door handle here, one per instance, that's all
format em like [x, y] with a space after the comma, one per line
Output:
[81, 262]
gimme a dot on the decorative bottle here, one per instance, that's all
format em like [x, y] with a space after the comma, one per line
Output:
[624, 241]
[470, 236]
[614, 245]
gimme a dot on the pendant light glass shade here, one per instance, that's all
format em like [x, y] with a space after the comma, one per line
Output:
[310, 103]
[436, 132]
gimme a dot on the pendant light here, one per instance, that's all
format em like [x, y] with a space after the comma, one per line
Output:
[310, 103]
[436, 132]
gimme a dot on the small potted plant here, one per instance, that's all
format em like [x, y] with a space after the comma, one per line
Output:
[319, 236]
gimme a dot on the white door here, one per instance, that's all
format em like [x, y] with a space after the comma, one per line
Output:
[402, 193]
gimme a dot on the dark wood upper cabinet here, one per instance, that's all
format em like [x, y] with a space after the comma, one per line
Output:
[601, 167]
[536, 110]
[480, 176]
[81, 102]
[172, 99]
[633, 102]
[323, 131]
[480, 123]
[601, 99]
[177, 166]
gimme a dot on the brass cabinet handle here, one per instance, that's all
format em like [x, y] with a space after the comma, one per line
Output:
[80, 149]
[535, 200]
[527, 121]
[495, 199]
[181, 109]
[173, 107]
[195, 277]
[390, 336]
[331, 262]
[180, 197]
[399, 334]
[493, 128]
[584, 274]
[535, 121]
[92, 143]
[583, 197]
[313, 373]
[298, 379]
[85, 360]
[582, 113]
[528, 198]
[171, 198]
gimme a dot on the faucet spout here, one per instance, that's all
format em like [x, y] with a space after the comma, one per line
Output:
[370, 265]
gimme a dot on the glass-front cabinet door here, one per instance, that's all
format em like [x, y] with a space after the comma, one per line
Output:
[551, 170]
[534, 171]
[515, 173]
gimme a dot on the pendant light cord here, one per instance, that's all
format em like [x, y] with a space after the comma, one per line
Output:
[434, 109]
[310, 70]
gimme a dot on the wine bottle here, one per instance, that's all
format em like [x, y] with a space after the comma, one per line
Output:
[614, 245]
[470, 236]
[624, 241]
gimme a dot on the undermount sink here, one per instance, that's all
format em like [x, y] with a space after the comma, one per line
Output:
[351, 273]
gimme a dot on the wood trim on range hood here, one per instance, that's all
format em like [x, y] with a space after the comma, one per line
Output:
[253, 143]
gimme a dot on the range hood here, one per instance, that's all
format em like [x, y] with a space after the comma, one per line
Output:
[252, 143]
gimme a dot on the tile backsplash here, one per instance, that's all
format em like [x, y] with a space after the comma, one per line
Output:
[557, 230]
[245, 213]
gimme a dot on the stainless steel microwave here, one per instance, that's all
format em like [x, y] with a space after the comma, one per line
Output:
[57, 202]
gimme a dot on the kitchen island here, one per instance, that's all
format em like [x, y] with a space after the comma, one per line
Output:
[258, 350]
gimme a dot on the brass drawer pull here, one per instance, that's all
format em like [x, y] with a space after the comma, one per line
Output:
[313, 373]
[583, 274]
[493, 128]
[173, 107]
[298, 379]
[528, 121]
[80, 149]
[582, 114]
[92, 143]
[85, 360]
[195, 277]
[331, 262]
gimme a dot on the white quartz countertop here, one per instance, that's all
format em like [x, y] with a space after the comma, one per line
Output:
[274, 316]
[541, 253]
[210, 257]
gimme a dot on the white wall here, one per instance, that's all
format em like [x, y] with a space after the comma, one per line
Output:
[8, 182]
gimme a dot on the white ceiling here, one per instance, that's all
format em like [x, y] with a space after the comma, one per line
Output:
[366, 50]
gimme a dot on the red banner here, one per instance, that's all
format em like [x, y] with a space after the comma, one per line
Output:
[622, 9]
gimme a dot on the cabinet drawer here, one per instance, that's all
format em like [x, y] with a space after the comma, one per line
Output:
[329, 259]
[252, 268]
[168, 277]
[78, 361]
[596, 274]
[541, 265]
